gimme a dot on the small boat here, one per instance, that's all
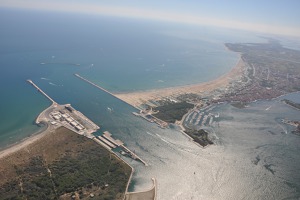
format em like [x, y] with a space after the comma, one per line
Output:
[110, 109]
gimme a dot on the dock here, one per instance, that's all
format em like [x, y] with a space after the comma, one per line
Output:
[58, 115]
[133, 155]
[107, 135]
[102, 143]
[107, 141]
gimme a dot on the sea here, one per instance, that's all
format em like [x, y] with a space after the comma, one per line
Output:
[255, 155]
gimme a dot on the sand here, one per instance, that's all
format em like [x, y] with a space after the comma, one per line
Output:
[24, 143]
[137, 98]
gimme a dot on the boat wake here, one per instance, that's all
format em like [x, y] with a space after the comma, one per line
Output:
[172, 144]
[52, 84]
[268, 108]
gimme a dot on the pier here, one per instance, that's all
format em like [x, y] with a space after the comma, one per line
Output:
[133, 155]
[107, 141]
[154, 119]
[41, 91]
[57, 115]
[103, 89]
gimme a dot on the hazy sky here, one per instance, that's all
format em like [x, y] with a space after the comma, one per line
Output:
[268, 16]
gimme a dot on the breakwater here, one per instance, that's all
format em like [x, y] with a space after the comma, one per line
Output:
[101, 88]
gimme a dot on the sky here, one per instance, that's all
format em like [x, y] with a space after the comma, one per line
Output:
[266, 16]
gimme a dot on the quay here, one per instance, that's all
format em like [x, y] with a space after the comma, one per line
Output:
[58, 115]
[107, 141]
[133, 155]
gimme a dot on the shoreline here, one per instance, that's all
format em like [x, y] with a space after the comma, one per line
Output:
[137, 98]
[146, 194]
[6, 151]
[46, 130]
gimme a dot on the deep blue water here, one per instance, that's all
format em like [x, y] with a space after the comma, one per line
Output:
[127, 55]
[119, 54]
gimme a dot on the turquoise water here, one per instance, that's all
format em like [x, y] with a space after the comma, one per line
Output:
[119, 54]
[128, 55]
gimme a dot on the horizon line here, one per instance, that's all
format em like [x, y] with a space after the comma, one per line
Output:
[154, 15]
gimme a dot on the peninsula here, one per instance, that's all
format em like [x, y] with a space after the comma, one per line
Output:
[66, 162]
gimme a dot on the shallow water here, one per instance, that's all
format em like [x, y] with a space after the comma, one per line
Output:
[253, 157]
[118, 54]
[159, 56]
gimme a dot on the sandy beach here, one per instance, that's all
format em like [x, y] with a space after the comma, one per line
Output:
[137, 98]
[24, 143]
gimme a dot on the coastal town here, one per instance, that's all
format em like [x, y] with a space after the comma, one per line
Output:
[192, 107]
[149, 100]
[264, 71]
[271, 71]
[268, 71]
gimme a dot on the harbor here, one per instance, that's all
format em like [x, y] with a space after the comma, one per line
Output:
[143, 113]
[202, 117]
[107, 141]
[58, 115]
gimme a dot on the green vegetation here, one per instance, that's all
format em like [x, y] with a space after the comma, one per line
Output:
[200, 136]
[83, 168]
[172, 111]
